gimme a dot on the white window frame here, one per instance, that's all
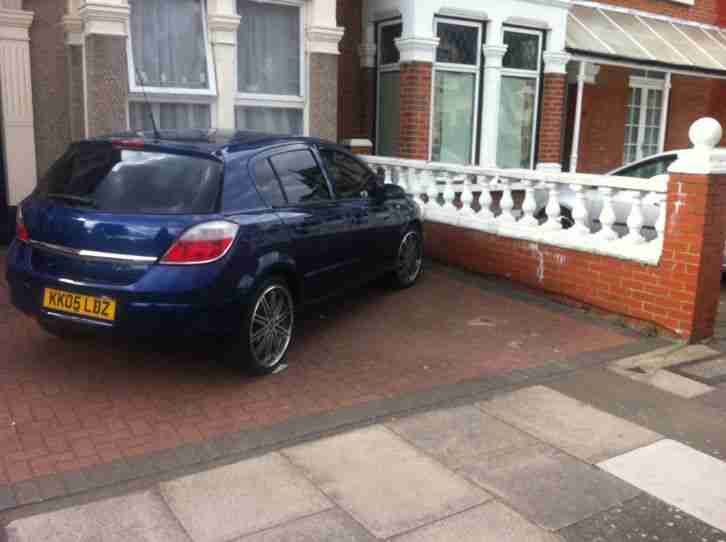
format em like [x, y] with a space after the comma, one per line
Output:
[156, 101]
[459, 68]
[646, 86]
[172, 92]
[527, 74]
[279, 101]
[383, 68]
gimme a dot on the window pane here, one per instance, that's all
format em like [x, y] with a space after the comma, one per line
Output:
[459, 44]
[168, 43]
[350, 178]
[270, 120]
[171, 116]
[134, 181]
[389, 114]
[453, 117]
[523, 51]
[389, 51]
[268, 185]
[268, 48]
[516, 122]
[301, 177]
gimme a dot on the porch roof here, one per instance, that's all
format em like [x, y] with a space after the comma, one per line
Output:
[626, 34]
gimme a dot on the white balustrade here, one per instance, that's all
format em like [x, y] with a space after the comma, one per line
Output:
[628, 221]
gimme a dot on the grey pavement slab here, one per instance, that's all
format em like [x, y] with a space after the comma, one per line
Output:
[687, 420]
[707, 370]
[385, 483]
[670, 382]
[715, 399]
[643, 518]
[667, 357]
[456, 436]
[678, 475]
[569, 424]
[491, 522]
[548, 487]
[142, 517]
[242, 498]
[329, 526]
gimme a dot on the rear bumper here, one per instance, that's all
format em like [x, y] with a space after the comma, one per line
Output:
[137, 313]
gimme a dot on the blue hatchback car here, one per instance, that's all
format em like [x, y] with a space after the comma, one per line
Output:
[204, 232]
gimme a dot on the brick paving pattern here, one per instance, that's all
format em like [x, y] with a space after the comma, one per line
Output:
[69, 405]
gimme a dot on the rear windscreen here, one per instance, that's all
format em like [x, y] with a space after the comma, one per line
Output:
[124, 180]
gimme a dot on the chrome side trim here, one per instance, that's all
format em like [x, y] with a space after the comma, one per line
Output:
[92, 255]
[77, 319]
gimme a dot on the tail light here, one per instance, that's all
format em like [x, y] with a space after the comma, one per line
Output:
[203, 243]
[20, 230]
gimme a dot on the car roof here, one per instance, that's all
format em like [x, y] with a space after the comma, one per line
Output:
[652, 157]
[212, 141]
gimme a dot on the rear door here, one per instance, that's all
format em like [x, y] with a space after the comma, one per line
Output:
[318, 224]
[118, 201]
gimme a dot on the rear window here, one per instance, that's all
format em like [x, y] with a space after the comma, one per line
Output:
[124, 180]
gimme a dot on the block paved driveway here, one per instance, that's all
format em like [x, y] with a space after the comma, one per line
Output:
[66, 406]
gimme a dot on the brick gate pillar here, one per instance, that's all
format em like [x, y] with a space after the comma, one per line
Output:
[695, 233]
[417, 57]
[551, 127]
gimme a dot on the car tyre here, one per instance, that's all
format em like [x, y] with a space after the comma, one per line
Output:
[409, 260]
[268, 324]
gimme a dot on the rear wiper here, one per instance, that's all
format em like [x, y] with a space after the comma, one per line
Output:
[90, 202]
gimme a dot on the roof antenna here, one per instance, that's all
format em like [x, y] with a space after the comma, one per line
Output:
[147, 103]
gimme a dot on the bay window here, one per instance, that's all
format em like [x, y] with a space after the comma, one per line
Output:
[270, 89]
[519, 100]
[389, 89]
[169, 65]
[456, 91]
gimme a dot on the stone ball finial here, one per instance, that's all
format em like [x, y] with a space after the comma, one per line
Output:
[705, 133]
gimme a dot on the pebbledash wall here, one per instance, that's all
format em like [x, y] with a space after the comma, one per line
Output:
[680, 294]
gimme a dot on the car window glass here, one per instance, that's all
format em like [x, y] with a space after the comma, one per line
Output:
[301, 177]
[648, 169]
[349, 177]
[268, 185]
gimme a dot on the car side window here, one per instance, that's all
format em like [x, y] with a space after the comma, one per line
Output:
[268, 185]
[301, 177]
[350, 178]
[648, 169]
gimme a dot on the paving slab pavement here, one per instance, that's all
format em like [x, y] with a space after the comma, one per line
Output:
[329, 526]
[573, 426]
[679, 475]
[491, 522]
[242, 498]
[383, 482]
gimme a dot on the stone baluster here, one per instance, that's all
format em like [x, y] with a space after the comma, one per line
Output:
[402, 177]
[432, 191]
[485, 199]
[449, 193]
[607, 215]
[387, 174]
[579, 211]
[635, 219]
[506, 203]
[552, 209]
[467, 197]
[529, 205]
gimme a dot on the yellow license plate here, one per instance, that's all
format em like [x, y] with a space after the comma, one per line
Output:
[100, 308]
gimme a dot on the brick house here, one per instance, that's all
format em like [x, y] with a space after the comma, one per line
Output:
[516, 83]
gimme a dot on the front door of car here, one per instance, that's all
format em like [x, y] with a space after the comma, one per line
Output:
[318, 226]
[374, 220]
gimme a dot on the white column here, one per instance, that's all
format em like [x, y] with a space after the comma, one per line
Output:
[493, 55]
[664, 111]
[17, 104]
[574, 153]
[223, 24]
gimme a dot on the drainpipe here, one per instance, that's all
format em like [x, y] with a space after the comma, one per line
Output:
[578, 118]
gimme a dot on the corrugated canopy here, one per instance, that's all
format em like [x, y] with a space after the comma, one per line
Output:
[640, 38]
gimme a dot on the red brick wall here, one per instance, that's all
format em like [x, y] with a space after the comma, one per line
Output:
[552, 122]
[705, 11]
[415, 110]
[680, 294]
[691, 99]
[350, 78]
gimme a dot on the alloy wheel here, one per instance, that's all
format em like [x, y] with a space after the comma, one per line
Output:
[271, 326]
[410, 258]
